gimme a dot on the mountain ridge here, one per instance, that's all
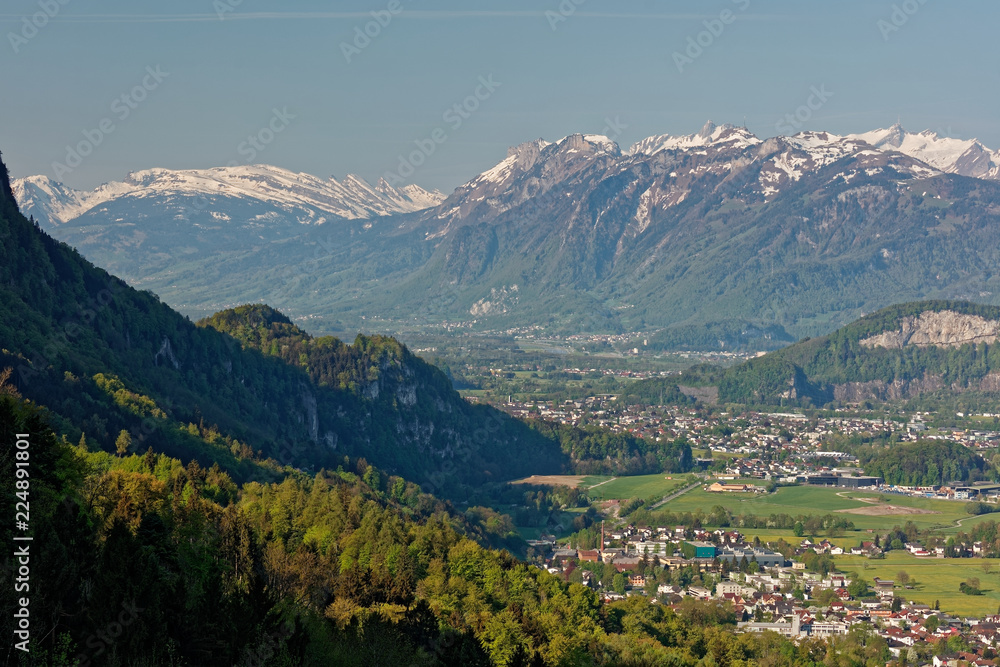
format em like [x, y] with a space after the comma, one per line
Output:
[53, 203]
[716, 231]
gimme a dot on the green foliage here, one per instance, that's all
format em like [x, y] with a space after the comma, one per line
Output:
[976, 508]
[306, 571]
[655, 391]
[970, 587]
[923, 463]
[597, 451]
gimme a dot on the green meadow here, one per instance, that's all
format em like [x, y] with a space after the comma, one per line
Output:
[813, 500]
[934, 580]
[637, 486]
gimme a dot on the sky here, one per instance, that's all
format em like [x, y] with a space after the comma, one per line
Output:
[96, 90]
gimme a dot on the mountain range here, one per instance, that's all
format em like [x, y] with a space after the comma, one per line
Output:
[715, 239]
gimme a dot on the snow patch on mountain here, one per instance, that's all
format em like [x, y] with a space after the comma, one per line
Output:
[730, 136]
[351, 198]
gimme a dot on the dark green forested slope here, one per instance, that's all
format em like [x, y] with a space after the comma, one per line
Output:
[105, 357]
[141, 561]
[837, 367]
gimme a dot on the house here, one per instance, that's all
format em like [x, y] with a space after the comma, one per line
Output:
[588, 555]
[728, 587]
[629, 563]
[636, 580]
[729, 488]
[883, 587]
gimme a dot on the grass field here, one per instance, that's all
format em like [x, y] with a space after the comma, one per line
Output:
[934, 579]
[638, 486]
[806, 500]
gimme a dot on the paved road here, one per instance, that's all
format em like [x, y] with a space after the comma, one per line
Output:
[675, 494]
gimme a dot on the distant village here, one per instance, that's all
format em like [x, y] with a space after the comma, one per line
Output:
[772, 447]
[767, 590]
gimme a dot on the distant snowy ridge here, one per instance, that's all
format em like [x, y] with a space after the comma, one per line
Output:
[967, 157]
[352, 198]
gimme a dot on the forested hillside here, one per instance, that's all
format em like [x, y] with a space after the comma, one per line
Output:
[898, 352]
[140, 560]
[106, 358]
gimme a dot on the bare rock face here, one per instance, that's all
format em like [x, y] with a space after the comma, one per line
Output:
[945, 328]
[879, 390]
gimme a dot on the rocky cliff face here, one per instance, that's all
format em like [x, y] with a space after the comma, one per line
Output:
[879, 390]
[943, 329]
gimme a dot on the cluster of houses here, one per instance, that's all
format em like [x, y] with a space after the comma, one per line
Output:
[784, 447]
[762, 599]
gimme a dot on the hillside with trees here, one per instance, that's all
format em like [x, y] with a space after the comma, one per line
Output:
[106, 358]
[842, 368]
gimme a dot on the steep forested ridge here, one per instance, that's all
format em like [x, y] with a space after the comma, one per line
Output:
[105, 357]
[839, 367]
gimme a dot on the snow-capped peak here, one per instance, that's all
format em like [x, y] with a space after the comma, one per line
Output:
[729, 135]
[46, 199]
[959, 156]
[351, 198]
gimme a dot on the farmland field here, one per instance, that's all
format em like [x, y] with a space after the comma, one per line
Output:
[934, 579]
[551, 480]
[637, 486]
[806, 500]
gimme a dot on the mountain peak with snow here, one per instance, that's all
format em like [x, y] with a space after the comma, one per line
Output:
[724, 136]
[352, 198]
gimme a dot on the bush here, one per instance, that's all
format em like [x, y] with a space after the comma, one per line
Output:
[976, 508]
[970, 587]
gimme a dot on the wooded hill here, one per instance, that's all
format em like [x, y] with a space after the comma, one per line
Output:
[848, 366]
[105, 357]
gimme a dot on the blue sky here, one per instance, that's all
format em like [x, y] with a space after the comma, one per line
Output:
[934, 64]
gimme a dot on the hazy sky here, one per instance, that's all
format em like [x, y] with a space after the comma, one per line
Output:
[346, 105]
